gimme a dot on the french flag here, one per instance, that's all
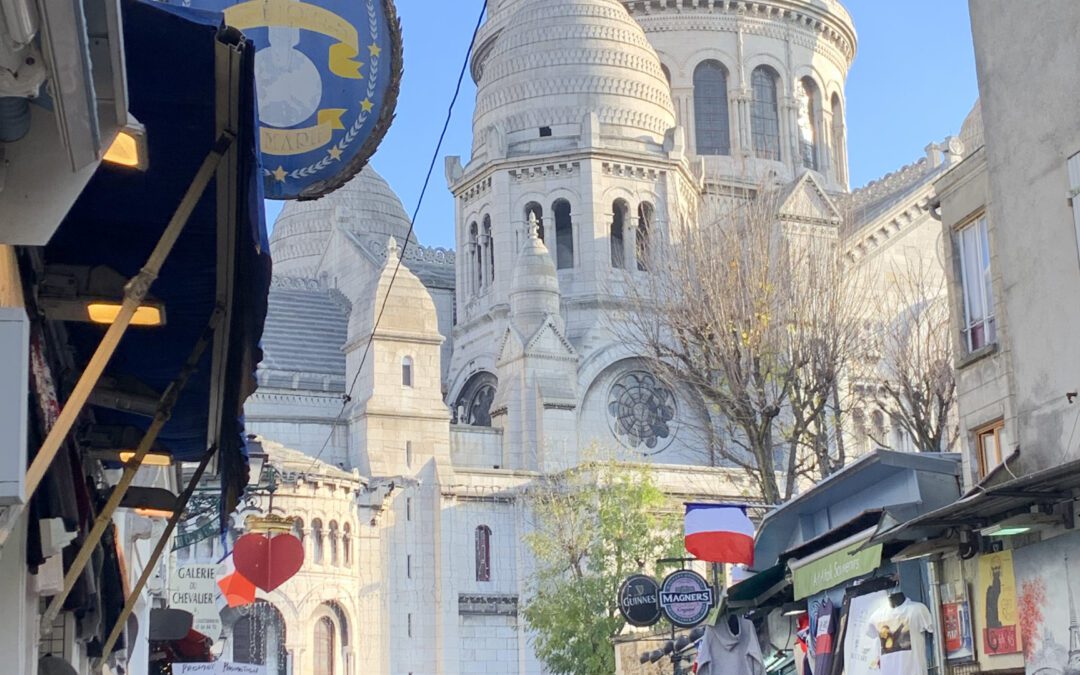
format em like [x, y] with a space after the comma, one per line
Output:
[720, 533]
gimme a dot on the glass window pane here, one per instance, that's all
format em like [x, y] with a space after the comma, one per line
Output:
[711, 129]
[764, 114]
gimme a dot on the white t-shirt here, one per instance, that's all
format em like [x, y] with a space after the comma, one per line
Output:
[901, 637]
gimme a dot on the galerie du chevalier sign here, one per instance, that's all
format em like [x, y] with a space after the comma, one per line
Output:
[327, 74]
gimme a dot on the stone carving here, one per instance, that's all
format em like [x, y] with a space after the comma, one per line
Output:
[641, 409]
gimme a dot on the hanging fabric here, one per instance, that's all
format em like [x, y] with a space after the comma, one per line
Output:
[730, 647]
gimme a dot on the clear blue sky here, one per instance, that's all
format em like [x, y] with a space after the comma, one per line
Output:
[913, 82]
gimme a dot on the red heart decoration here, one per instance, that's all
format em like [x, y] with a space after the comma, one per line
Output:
[268, 562]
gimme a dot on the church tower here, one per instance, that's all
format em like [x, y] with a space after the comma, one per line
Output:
[574, 129]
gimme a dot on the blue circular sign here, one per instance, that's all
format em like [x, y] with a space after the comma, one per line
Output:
[327, 76]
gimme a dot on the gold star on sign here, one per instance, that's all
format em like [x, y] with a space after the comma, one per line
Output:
[367, 105]
[375, 50]
[279, 174]
[335, 153]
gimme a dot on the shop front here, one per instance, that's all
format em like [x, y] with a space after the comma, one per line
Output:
[1008, 553]
[834, 600]
[130, 339]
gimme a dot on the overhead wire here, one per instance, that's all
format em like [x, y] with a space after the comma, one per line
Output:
[347, 397]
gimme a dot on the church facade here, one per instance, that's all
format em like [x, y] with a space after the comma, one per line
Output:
[408, 395]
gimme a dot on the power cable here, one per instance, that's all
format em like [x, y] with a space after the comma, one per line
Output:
[412, 223]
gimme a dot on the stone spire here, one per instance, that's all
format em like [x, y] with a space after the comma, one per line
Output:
[534, 289]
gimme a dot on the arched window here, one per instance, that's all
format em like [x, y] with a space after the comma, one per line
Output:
[346, 544]
[407, 371]
[475, 256]
[258, 638]
[809, 111]
[532, 208]
[490, 243]
[620, 210]
[644, 232]
[325, 647]
[317, 541]
[473, 405]
[764, 113]
[333, 543]
[298, 529]
[711, 129]
[564, 234]
[838, 138]
[483, 553]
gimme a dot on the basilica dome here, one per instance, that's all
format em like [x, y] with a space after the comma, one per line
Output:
[544, 65]
[366, 205]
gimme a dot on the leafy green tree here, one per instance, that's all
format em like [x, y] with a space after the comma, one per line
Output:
[593, 526]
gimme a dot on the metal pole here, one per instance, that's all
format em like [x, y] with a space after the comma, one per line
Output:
[133, 596]
[135, 292]
[104, 517]
[934, 575]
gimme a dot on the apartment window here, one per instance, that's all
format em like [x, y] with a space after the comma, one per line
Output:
[988, 446]
[973, 248]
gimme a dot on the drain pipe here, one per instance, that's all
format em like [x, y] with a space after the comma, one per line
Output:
[14, 118]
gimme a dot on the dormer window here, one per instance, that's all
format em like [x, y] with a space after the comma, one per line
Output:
[407, 372]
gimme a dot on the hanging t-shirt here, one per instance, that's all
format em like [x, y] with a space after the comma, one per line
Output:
[901, 633]
[823, 633]
[861, 647]
[723, 652]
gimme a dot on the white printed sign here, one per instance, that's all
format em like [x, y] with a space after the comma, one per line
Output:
[194, 589]
[217, 668]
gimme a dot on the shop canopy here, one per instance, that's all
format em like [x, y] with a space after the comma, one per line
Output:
[191, 84]
[986, 505]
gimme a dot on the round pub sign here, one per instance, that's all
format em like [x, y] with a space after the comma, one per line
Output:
[686, 598]
[639, 600]
[327, 75]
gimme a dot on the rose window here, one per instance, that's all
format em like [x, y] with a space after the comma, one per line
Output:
[641, 409]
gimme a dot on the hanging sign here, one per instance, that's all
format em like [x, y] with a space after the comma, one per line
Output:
[639, 600]
[327, 75]
[193, 588]
[686, 598]
[268, 561]
[814, 576]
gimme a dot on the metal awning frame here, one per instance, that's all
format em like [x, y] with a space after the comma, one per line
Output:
[134, 292]
[986, 505]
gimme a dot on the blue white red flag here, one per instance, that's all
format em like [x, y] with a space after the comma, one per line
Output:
[720, 533]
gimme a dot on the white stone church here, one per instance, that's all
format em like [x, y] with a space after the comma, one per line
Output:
[603, 122]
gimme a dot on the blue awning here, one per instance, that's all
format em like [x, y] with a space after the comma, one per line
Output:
[180, 92]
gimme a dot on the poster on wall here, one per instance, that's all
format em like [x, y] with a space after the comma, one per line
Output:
[995, 600]
[1048, 580]
[956, 617]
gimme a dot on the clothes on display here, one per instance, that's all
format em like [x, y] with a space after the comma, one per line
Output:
[730, 648]
[823, 622]
[802, 655]
[861, 646]
[901, 635]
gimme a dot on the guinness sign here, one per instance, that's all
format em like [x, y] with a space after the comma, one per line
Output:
[639, 600]
[686, 598]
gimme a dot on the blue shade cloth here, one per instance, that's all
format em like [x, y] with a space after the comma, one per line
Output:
[122, 213]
